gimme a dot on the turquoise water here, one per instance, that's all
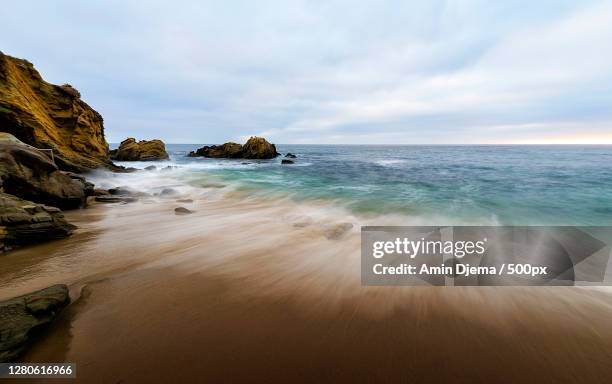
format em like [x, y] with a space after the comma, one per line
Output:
[553, 185]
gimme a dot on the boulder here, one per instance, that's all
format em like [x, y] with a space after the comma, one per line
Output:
[115, 199]
[286, 161]
[258, 148]
[143, 150]
[23, 317]
[24, 222]
[290, 155]
[50, 116]
[30, 174]
[227, 150]
[168, 192]
[101, 192]
[150, 168]
[254, 148]
[182, 211]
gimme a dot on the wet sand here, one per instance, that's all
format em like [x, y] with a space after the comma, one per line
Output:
[256, 290]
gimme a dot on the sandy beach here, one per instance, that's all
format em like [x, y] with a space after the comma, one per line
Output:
[261, 290]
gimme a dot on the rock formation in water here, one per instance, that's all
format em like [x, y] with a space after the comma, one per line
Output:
[23, 222]
[50, 116]
[255, 148]
[227, 150]
[31, 174]
[144, 150]
[21, 318]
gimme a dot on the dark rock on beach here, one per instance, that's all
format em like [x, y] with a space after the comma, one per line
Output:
[168, 192]
[30, 174]
[21, 318]
[185, 200]
[254, 148]
[131, 150]
[286, 161]
[182, 211]
[24, 222]
[100, 192]
[115, 199]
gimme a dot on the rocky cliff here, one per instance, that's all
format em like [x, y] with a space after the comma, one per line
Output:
[45, 115]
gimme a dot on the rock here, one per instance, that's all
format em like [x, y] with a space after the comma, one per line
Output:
[185, 200]
[28, 173]
[168, 192]
[50, 116]
[290, 155]
[115, 199]
[337, 231]
[150, 168]
[23, 317]
[131, 150]
[24, 222]
[227, 150]
[182, 211]
[100, 192]
[120, 191]
[88, 188]
[258, 148]
[255, 148]
[285, 161]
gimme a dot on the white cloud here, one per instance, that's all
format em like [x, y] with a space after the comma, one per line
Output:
[301, 71]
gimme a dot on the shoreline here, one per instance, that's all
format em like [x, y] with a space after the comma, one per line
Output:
[199, 307]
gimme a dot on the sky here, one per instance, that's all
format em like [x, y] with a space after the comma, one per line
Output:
[329, 72]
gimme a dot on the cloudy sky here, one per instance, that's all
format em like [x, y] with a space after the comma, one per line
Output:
[329, 71]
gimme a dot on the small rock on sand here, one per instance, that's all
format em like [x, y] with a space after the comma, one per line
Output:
[337, 231]
[185, 200]
[168, 192]
[115, 199]
[182, 211]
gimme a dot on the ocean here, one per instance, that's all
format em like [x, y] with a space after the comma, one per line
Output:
[438, 184]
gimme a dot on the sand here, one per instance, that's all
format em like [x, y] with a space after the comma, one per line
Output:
[255, 290]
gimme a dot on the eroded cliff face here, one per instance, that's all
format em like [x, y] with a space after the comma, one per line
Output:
[50, 116]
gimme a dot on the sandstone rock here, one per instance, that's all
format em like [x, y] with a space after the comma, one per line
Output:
[21, 318]
[255, 148]
[182, 211]
[258, 148]
[131, 150]
[24, 222]
[286, 161]
[27, 173]
[50, 116]
[290, 155]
